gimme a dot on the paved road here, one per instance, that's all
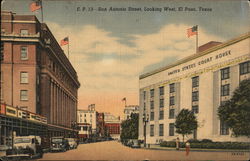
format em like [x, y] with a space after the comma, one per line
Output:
[113, 150]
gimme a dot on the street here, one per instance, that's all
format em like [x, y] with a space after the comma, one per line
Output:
[113, 150]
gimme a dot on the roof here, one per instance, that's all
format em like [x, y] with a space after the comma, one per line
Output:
[205, 49]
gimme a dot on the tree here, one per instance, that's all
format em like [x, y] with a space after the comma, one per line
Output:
[185, 122]
[130, 127]
[236, 112]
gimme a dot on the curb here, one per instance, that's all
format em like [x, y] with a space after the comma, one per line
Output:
[200, 150]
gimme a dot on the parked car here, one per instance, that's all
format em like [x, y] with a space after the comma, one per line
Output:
[135, 143]
[72, 143]
[59, 144]
[26, 147]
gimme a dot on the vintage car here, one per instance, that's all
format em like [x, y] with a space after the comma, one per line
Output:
[72, 143]
[59, 144]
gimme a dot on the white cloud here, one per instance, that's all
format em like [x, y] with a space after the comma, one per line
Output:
[110, 74]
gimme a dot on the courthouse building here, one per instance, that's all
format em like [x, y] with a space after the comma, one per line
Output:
[36, 75]
[200, 82]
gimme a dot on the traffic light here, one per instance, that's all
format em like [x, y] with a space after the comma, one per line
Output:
[1, 52]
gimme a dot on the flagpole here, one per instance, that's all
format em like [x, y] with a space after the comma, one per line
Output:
[68, 47]
[41, 10]
[197, 49]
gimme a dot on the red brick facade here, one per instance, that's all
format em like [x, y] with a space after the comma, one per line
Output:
[32, 55]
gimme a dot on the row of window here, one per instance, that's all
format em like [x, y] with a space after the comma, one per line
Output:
[244, 69]
[224, 130]
[225, 74]
[161, 114]
[161, 129]
[161, 91]
[22, 31]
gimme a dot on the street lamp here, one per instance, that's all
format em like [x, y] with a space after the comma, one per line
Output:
[145, 120]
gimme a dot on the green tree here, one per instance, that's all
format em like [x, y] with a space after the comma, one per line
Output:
[236, 112]
[130, 127]
[185, 122]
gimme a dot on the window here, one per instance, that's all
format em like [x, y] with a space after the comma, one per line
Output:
[144, 106]
[152, 92]
[225, 73]
[24, 77]
[24, 53]
[151, 104]
[171, 129]
[24, 95]
[24, 32]
[245, 68]
[195, 109]
[225, 90]
[171, 100]
[171, 88]
[195, 96]
[152, 128]
[224, 130]
[195, 81]
[152, 116]
[2, 31]
[161, 130]
[171, 113]
[161, 115]
[161, 91]
[144, 95]
[161, 103]
[1, 93]
[2, 51]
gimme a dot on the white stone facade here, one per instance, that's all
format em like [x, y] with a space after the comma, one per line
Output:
[87, 116]
[197, 84]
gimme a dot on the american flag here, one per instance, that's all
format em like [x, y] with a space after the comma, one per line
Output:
[192, 31]
[64, 41]
[35, 5]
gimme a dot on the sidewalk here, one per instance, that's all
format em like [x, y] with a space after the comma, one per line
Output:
[158, 147]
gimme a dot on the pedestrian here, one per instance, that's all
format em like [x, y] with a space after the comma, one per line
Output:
[177, 142]
[187, 148]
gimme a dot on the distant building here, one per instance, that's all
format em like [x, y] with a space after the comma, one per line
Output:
[130, 109]
[87, 117]
[201, 83]
[100, 124]
[85, 131]
[36, 75]
[112, 125]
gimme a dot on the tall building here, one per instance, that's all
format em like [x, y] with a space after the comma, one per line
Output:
[128, 110]
[36, 75]
[201, 83]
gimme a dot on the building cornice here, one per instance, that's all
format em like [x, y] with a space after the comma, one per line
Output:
[18, 21]
[184, 60]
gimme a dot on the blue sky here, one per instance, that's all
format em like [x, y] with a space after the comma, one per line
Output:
[111, 49]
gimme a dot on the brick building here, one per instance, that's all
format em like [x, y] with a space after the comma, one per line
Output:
[100, 124]
[36, 74]
[112, 125]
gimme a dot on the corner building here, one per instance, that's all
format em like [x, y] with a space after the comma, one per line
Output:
[36, 75]
[200, 82]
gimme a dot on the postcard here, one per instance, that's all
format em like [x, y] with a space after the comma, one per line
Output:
[125, 80]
